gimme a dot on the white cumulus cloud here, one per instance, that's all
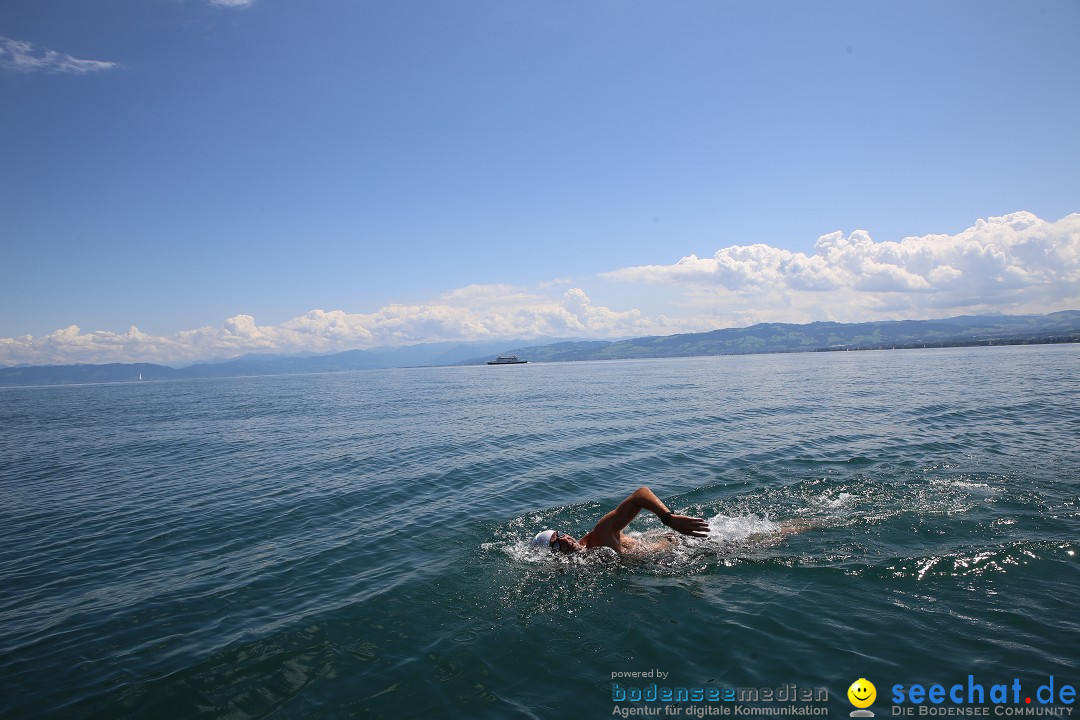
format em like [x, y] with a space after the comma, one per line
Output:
[1016, 263]
[22, 56]
[1013, 264]
[470, 313]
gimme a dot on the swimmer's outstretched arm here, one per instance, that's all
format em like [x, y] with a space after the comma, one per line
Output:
[644, 498]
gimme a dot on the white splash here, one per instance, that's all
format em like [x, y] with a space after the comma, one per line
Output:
[727, 530]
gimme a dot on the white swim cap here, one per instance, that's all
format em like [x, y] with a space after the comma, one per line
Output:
[543, 539]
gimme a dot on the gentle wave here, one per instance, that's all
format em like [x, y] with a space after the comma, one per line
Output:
[357, 544]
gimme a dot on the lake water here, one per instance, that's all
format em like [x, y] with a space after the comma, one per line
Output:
[356, 544]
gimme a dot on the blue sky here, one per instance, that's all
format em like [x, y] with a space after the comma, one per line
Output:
[212, 173]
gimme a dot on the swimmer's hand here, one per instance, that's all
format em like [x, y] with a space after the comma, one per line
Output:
[692, 526]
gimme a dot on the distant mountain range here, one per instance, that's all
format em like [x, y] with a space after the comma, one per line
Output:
[764, 338]
[824, 336]
[447, 353]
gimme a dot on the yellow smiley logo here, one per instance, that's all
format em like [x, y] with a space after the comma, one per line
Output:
[862, 693]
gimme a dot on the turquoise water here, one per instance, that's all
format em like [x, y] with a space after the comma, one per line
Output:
[356, 544]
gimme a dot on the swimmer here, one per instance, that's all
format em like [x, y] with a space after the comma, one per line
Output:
[609, 531]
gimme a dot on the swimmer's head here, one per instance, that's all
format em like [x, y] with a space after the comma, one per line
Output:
[555, 541]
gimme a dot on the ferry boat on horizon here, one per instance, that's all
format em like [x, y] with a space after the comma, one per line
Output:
[507, 360]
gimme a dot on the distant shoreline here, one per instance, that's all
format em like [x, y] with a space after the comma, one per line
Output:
[868, 348]
[762, 339]
[968, 343]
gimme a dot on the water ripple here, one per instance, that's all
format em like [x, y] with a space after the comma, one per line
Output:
[357, 544]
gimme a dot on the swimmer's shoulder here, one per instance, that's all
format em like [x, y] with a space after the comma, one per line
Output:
[593, 539]
[648, 546]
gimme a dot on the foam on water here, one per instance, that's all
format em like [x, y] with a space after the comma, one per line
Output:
[725, 531]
